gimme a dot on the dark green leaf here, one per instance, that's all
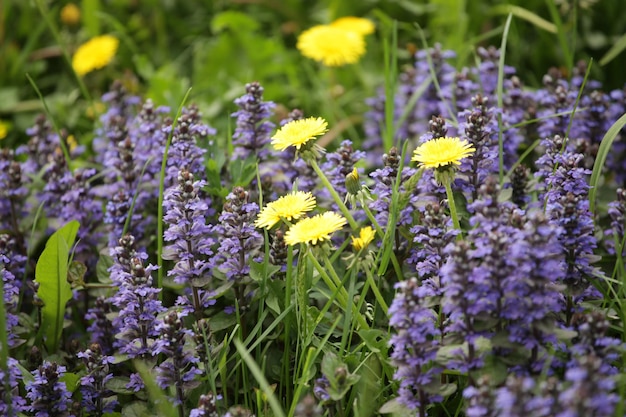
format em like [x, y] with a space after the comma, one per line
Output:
[51, 274]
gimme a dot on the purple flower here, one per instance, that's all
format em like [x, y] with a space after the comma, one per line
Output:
[480, 399]
[13, 193]
[41, 146]
[180, 369]
[12, 268]
[617, 213]
[415, 343]
[252, 133]
[95, 397]
[101, 329]
[11, 403]
[190, 237]
[49, 396]
[239, 239]
[136, 300]
[206, 407]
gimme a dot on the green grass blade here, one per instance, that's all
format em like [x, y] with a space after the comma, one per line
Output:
[603, 152]
[526, 15]
[54, 289]
[500, 94]
[260, 378]
[568, 56]
[617, 48]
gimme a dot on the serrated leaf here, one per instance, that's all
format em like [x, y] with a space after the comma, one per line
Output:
[51, 274]
[71, 381]
[76, 274]
[259, 271]
[376, 340]
[136, 409]
[395, 408]
[117, 384]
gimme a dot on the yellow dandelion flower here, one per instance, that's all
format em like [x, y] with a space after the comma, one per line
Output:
[94, 54]
[366, 236]
[4, 129]
[332, 46]
[314, 229]
[357, 25]
[442, 152]
[299, 132]
[70, 14]
[290, 207]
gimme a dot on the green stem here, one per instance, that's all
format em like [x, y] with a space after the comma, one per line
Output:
[334, 283]
[452, 205]
[381, 235]
[333, 193]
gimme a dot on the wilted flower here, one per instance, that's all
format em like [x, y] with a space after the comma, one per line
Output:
[333, 46]
[94, 54]
[290, 206]
[298, 133]
[315, 229]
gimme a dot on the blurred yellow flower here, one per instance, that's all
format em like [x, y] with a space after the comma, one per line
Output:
[290, 207]
[4, 129]
[298, 132]
[314, 229]
[357, 25]
[332, 46]
[442, 152]
[71, 142]
[94, 54]
[366, 236]
[70, 14]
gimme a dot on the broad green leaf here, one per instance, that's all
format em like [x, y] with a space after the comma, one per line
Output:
[54, 289]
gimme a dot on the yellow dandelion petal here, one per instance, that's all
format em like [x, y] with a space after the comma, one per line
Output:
[94, 54]
[299, 132]
[4, 129]
[366, 236]
[331, 45]
[315, 229]
[70, 14]
[357, 25]
[290, 207]
[442, 151]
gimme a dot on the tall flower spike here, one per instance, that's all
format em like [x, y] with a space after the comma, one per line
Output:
[180, 369]
[187, 231]
[11, 403]
[239, 240]
[253, 129]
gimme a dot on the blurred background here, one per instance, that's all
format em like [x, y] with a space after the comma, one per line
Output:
[167, 46]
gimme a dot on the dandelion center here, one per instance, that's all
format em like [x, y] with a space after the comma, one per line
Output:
[315, 229]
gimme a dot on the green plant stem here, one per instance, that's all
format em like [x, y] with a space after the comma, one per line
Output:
[381, 235]
[452, 205]
[333, 193]
[377, 294]
[334, 283]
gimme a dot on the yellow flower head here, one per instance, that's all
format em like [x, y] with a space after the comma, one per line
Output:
[4, 129]
[290, 207]
[442, 152]
[357, 25]
[94, 54]
[299, 132]
[366, 236]
[314, 229]
[332, 46]
[70, 14]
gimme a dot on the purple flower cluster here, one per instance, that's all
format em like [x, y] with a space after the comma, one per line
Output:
[190, 238]
[206, 407]
[11, 403]
[136, 300]
[617, 213]
[239, 240]
[13, 192]
[252, 133]
[180, 369]
[49, 397]
[95, 396]
[12, 266]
